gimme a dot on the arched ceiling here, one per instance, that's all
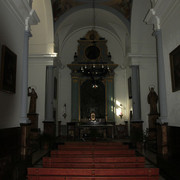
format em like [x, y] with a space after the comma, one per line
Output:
[62, 6]
[78, 19]
[82, 19]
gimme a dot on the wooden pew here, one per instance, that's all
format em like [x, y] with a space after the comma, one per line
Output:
[98, 174]
[117, 162]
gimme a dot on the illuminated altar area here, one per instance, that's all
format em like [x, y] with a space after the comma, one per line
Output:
[92, 73]
[92, 76]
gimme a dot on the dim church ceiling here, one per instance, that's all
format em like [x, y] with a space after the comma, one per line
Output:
[61, 6]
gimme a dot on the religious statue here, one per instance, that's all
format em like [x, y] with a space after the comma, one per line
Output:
[152, 100]
[93, 116]
[33, 98]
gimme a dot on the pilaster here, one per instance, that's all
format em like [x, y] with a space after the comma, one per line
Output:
[75, 99]
[24, 99]
[49, 94]
[161, 79]
[157, 16]
[29, 18]
[136, 94]
[110, 99]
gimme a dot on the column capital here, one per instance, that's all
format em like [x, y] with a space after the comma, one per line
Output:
[32, 19]
[152, 18]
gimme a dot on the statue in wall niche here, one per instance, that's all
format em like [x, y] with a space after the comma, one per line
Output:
[33, 97]
[93, 116]
[152, 101]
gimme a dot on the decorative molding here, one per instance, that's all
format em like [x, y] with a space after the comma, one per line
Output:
[160, 12]
[151, 18]
[131, 55]
[113, 11]
[52, 55]
[22, 11]
[137, 59]
[164, 8]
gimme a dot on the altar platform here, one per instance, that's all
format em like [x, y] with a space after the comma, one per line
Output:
[96, 129]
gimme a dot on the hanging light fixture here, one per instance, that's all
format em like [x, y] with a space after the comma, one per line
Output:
[95, 61]
[94, 22]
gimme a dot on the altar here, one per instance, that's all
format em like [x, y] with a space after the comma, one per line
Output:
[92, 74]
[96, 130]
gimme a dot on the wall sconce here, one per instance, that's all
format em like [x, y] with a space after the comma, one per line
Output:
[64, 112]
[121, 113]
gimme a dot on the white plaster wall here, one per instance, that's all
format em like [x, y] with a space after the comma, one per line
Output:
[64, 96]
[128, 100]
[69, 31]
[121, 95]
[143, 53]
[171, 39]
[82, 18]
[42, 41]
[148, 78]
[37, 79]
[41, 47]
[142, 41]
[11, 35]
[66, 56]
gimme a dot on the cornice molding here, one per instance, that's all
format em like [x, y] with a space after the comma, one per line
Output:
[52, 55]
[133, 55]
[22, 11]
[137, 59]
[160, 12]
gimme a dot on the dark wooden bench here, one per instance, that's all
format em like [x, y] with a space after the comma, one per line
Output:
[116, 162]
[76, 174]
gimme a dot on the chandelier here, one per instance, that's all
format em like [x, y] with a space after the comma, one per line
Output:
[95, 70]
[92, 61]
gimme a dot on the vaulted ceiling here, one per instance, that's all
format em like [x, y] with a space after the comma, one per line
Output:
[62, 6]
